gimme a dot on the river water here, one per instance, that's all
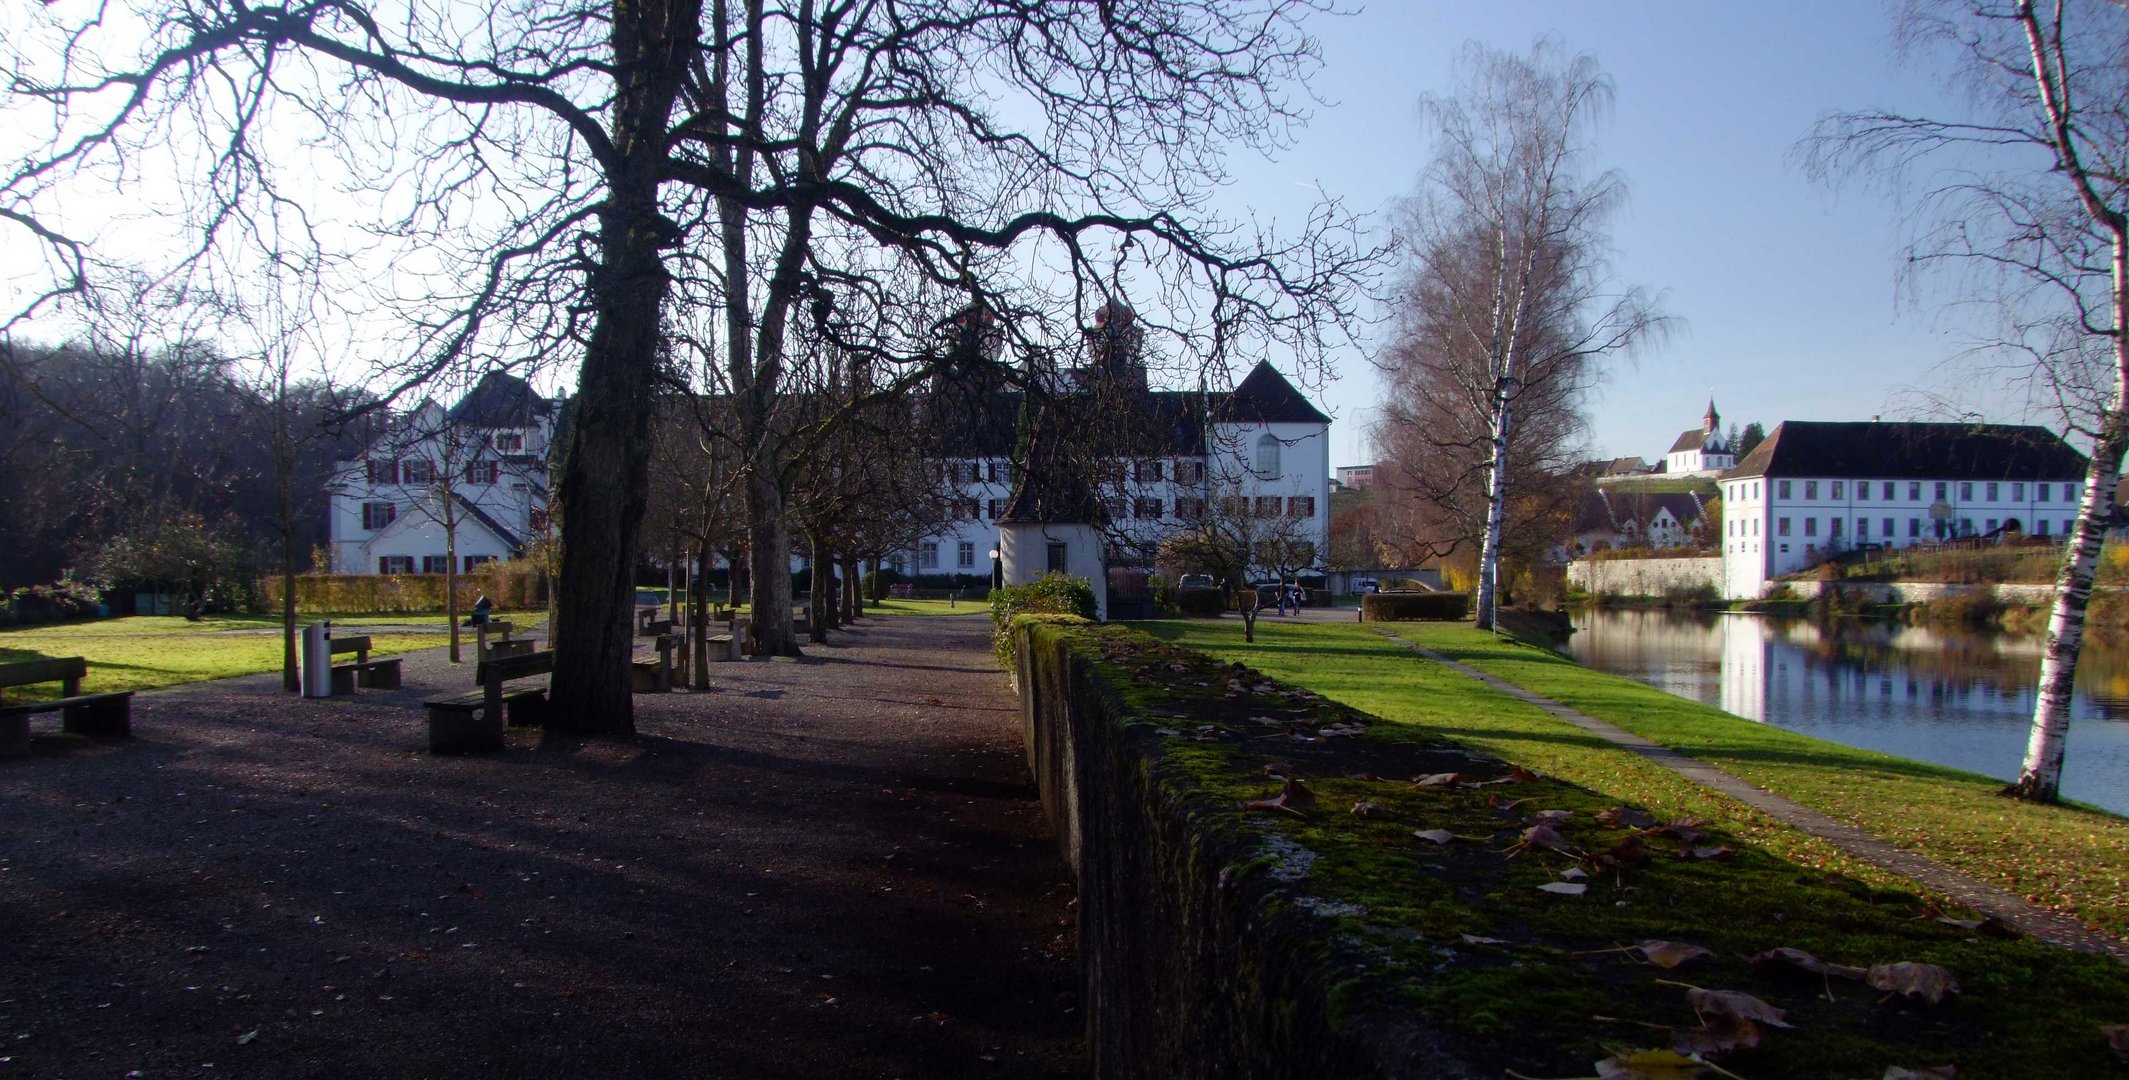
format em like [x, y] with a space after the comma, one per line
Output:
[1956, 697]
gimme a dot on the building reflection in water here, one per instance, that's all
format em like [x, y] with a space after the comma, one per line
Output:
[1952, 696]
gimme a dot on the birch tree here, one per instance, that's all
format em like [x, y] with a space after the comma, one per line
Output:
[2026, 200]
[1506, 306]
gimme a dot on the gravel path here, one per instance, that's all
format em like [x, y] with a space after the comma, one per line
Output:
[2014, 910]
[830, 868]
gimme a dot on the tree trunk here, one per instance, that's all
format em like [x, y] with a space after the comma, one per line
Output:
[850, 588]
[290, 680]
[823, 591]
[1489, 559]
[770, 556]
[2040, 778]
[451, 575]
[605, 472]
[699, 623]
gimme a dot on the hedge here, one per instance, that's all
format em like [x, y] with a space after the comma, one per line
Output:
[1414, 607]
[1200, 603]
[507, 585]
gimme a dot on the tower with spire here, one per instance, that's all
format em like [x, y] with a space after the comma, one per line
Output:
[1702, 452]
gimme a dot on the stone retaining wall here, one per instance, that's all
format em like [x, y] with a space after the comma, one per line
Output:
[1923, 592]
[1645, 577]
[1197, 962]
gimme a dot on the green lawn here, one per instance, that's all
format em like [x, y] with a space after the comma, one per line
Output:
[144, 652]
[929, 607]
[2067, 858]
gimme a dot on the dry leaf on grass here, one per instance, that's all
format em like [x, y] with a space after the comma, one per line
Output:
[1366, 809]
[1926, 981]
[1650, 1065]
[1439, 836]
[1941, 1072]
[1521, 775]
[1474, 939]
[1786, 960]
[1717, 1035]
[1564, 888]
[1620, 817]
[1545, 836]
[1686, 830]
[1440, 779]
[2118, 1038]
[1295, 798]
[1734, 1003]
[1551, 817]
[1670, 954]
[1989, 925]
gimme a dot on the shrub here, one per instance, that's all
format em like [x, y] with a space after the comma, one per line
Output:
[875, 583]
[1200, 603]
[1054, 594]
[1414, 607]
[59, 601]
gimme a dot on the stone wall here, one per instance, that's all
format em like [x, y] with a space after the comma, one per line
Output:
[1922, 592]
[1645, 577]
[1198, 961]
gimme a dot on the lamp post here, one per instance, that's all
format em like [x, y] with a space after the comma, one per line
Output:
[997, 571]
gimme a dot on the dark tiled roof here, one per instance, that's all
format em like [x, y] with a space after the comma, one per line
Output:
[501, 400]
[1690, 439]
[974, 424]
[1921, 451]
[1265, 397]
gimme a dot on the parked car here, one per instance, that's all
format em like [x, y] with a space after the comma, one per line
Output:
[1195, 581]
[1366, 585]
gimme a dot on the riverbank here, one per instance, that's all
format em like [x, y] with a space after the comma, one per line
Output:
[2064, 858]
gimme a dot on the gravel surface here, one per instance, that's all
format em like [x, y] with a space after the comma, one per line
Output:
[828, 868]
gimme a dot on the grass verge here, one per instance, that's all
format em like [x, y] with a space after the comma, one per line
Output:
[146, 652]
[1525, 979]
[2065, 858]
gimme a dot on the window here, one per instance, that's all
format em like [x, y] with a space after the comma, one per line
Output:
[1267, 457]
[1811, 526]
[378, 515]
[1301, 506]
[1940, 490]
[1190, 509]
[1114, 507]
[1811, 489]
[1233, 507]
[2066, 526]
[2018, 493]
[1991, 525]
[418, 471]
[1862, 528]
[436, 564]
[1888, 491]
[1914, 528]
[1267, 506]
[1784, 489]
[994, 474]
[1837, 486]
[509, 443]
[1993, 486]
[965, 554]
[395, 564]
[2041, 527]
[1833, 527]
[1966, 491]
[969, 510]
[481, 472]
[1914, 491]
[1755, 526]
[928, 555]
[1887, 534]
[384, 472]
[2069, 493]
[1966, 526]
[1189, 472]
[1054, 557]
[1781, 526]
[1146, 509]
[1146, 472]
[997, 509]
[1755, 489]
[472, 561]
[2041, 490]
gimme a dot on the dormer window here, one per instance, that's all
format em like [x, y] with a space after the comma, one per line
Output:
[509, 443]
[481, 472]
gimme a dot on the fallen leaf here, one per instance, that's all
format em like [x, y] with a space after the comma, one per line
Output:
[1670, 954]
[1521, 775]
[1686, 830]
[2118, 1038]
[1941, 1072]
[1926, 981]
[1573, 873]
[1627, 852]
[1989, 925]
[1564, 888]
[1551, 817]
[246, 1038]
[1717, 1035]
[1278, 770]
[1295, 798]
[1544, 836]
[1440, 779]
[1779, 961]
[1707, 853]
[1649, 1065]
[1365, 809]
[1439, 836]
[1735, 1003]
[1620, 817]
[1474, 939]
[1499, 803]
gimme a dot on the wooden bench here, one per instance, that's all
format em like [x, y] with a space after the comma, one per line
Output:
[101, 715]
[454, 727]
[502, 644]
[379, 674]
[654, 674]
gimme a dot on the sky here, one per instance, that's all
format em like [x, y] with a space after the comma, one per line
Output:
[1787, 292]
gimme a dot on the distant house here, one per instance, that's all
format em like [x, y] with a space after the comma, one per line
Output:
[1621, 519]
[1611, 470]
[480, 465]
[1355, 477]
[1816, 488]
[1701, 452]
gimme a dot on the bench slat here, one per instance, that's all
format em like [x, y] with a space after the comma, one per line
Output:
[57, 704]
[50, 669]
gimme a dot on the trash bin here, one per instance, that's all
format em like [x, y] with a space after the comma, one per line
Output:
[318, 659]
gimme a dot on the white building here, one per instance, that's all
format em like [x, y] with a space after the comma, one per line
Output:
[480, 466]
[1261, 450]
[1702, 452]
[1815, 489]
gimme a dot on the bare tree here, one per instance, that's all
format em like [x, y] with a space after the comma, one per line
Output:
[2029, 195]
[1505, 308]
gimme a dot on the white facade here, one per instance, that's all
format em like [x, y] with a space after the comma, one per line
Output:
[1782, 523]
[482, 470]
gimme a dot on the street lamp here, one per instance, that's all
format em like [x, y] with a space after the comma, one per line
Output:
[997, 571]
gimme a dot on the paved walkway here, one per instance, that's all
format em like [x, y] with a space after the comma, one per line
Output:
[828, 868]
[2014, 910]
